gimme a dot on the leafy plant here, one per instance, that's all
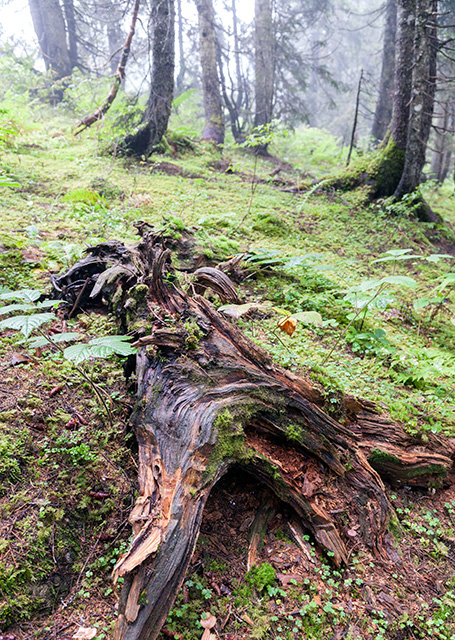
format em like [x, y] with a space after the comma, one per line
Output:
[102, 347]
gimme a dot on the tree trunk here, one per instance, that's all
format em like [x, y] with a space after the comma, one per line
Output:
[238, 65]
[440, 143]
[403, 72]
[156, 116]
[208, 400]
[115, 35]
[264, 65]
[396, 168]
[182, 63]
[70, 18]
[49, 27]
[214, 121]
[384, 106]
[422, 98]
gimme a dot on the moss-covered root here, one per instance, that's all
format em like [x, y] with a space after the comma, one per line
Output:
[378, 173]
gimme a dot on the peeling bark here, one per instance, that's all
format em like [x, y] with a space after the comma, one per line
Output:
[208, 400]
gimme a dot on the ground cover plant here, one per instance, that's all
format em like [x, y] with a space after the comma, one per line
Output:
[356, 298]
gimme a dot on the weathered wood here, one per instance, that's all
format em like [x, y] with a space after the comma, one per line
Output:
[208, 398]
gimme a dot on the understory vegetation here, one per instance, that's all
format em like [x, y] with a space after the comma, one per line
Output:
[358, 297]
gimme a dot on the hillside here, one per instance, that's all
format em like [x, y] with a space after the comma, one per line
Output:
[382, 286]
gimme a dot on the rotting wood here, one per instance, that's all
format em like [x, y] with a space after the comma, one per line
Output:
[209, 399]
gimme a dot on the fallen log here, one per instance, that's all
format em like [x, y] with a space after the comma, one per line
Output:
[210, 400]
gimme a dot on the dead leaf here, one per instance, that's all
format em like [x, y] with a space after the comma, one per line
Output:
[208, 635]
[209, 622]
[248, 620]
[317, 600]
[288, 325]
[85, 633]
[285, 578]
[18, 358]
[53, 392]
[237, 310]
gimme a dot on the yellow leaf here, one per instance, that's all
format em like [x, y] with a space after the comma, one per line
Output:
[288, 325]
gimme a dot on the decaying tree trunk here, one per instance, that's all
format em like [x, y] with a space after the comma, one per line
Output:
[208, 400]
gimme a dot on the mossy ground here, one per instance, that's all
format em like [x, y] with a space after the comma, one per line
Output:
[58, 539]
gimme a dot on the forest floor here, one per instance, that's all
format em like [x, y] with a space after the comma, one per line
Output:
[68, 468]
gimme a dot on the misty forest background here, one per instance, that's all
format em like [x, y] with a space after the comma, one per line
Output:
[288, 166]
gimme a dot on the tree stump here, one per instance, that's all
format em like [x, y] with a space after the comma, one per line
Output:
[209, 400]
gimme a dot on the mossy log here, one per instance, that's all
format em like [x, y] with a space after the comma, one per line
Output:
[209, 400]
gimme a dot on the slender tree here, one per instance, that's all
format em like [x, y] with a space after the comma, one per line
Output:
[181, 60]
[49, 25]
[70, 19]
[264, 62]
[214, 121]
[384, 106]
[156, 115]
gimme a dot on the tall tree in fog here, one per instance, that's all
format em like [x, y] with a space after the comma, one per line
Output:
[264, 62]
[70, 19]
[422, 95]
[234, 86]
[49, 25]
[112, 14]
[156, 116]
[383, 112]
[214, 121]
[397, 169]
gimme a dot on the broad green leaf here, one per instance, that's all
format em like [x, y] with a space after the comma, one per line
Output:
[16, 307]
[77, 353]
[398, 252]
[99, 348]
[421, 303]
[365, 285]
[404, 281]
[309, 317]
[449, 279]
[27, 324]
[116, 344]
[56, 337]
[27, 295]
[395, 258]
[436, 257]
[45, 304]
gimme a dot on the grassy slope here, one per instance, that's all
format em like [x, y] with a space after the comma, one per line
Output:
[58, 531]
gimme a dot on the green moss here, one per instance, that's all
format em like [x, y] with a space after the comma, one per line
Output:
[377, 457]
[230, 443]
[193, 334]
[293, 431]
[139, 293]
[261, 577]
[378, 173]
